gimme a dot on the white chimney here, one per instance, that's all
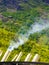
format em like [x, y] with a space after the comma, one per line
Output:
[19, 56]
[14, 57]
[36, 58]
[6, 55]
[28, 57]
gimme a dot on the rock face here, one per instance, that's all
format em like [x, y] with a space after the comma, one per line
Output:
[16, 3]
[12, 4]
[46, 1]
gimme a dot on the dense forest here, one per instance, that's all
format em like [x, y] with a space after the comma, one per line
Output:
[16, 18]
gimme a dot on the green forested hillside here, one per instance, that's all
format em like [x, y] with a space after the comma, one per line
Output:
[14, 22]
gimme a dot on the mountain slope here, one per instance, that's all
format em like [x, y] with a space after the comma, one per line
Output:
[17, 3]
[16, 18]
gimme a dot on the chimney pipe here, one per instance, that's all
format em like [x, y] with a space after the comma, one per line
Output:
[19, 56]
[6, 55]
[28, 57]
[36, 58]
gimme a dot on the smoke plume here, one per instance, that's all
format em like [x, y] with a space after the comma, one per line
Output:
[36, 27]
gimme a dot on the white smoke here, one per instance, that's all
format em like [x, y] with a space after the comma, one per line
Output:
[36, 27]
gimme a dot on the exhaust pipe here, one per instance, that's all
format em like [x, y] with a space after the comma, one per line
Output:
[36, 58]
[19, 56]
[5, 57]
[28, 57]
[14, 58]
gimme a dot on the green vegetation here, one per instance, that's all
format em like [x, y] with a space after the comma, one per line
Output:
[15, 23]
